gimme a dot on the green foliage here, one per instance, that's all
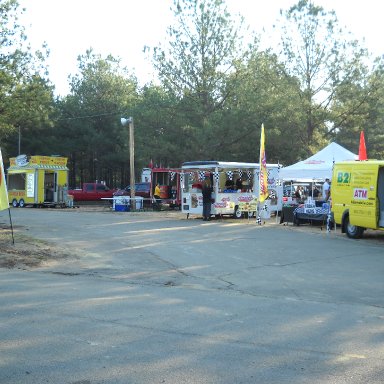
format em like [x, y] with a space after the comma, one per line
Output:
[321, 57]
[359, 106]
[264, 94]
[205, 47]
[156, 135]
[89, 126]
[213, 97]
[26, 98]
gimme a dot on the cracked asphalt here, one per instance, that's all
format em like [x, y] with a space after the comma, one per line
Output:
[153, 297]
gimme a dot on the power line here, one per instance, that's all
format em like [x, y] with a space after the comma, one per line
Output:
[90, 116]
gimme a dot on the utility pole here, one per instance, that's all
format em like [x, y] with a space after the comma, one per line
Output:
[124, 122]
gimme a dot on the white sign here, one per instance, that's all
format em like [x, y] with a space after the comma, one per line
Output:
[21, 160]
[30, 184]
[360, 194]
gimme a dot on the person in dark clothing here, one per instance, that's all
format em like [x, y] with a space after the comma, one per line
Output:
[207, 200]
[316, 192]
[239, 184]
[229, 185]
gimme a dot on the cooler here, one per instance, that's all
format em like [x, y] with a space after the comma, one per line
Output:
[121, 204]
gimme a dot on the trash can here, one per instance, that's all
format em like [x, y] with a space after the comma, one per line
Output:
[139, 202]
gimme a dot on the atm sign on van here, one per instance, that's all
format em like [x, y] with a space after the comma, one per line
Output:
[357, 194]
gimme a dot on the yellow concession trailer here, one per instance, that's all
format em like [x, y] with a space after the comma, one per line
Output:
[37, 181]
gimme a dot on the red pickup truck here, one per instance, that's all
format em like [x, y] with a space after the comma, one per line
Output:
[91, 192]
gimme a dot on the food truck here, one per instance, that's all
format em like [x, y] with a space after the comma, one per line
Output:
[37, 181]
[235, 188]
[169, 182]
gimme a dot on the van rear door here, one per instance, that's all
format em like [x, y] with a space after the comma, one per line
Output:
[364, 200]
[380, 194]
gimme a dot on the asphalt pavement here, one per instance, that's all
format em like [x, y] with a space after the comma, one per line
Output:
[154, 297]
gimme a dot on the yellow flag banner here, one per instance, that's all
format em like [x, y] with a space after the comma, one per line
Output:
[4, 204]
[263, 175]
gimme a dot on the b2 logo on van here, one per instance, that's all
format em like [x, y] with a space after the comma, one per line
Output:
[344, 177]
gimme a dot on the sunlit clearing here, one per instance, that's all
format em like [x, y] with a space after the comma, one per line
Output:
[115, 298]
[147, 245]
[169, 301]
[207, 310]
[129, 222]
[349, 357]
[240, 223]
[159, 230]
[205, 239]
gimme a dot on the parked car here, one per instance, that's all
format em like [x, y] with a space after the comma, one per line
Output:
[141, 189]
[91, 192]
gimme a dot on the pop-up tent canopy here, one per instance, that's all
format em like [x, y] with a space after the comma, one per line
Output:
[318, 166]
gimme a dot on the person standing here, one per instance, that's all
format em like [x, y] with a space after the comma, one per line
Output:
[156, 197]
[207, 200]
[326, 189]
[315, 192]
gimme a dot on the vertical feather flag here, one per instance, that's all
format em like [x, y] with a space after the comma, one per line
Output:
[362, 149]
[263, 175]
[4, 203]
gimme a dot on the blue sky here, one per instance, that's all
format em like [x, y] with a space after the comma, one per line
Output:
[123, 27]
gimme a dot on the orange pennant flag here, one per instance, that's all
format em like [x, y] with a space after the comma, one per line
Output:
[362, 149]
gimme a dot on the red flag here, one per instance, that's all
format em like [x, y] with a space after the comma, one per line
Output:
[362, 149]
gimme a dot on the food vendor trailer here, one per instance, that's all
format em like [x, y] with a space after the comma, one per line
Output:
[227, 198]
[37, 181]
[169, 182]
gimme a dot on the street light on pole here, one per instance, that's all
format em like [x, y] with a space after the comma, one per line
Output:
[124, 122]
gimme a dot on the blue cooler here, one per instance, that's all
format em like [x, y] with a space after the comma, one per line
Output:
[121, 204]
[121, 208]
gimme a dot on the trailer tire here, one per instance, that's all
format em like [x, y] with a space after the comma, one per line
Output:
[352, 231]
[21, 203]
[15, 203]
[237, 214]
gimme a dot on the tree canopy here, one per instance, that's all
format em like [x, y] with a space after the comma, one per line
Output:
[213, 94]
[26, 96]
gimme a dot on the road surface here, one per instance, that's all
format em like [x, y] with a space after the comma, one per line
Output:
[156, 298]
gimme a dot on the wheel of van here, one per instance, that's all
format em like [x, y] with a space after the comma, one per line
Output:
[21, 203]
[352, 231]
[15, 203]
[237, 214]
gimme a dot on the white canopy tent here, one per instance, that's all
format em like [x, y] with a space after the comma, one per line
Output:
[318, 166]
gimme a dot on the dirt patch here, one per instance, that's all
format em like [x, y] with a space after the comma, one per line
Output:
[26, 252]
